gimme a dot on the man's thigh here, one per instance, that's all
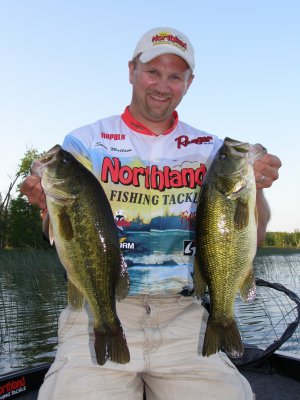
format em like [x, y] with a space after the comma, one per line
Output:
[225, 384]
[79, 379]
[75, 373]
[178, 371]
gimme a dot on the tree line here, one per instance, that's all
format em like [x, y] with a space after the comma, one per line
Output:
[282, 239]
[20, 222]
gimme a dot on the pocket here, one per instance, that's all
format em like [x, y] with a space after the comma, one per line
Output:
[223, 356]
[47, 390]
[56, 367]
[67, 319]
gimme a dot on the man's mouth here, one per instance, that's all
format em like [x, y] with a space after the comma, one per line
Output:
[158, 97]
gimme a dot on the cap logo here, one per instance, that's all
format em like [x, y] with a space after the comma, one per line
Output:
[168, 38]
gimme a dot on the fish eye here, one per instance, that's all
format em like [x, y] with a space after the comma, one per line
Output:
[64, 160]
[222, 157]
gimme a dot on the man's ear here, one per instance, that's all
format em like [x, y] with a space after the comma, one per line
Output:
[131, 67]
[189, 82]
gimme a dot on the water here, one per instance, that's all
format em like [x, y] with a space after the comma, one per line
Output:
[33, 292]
[265, 320]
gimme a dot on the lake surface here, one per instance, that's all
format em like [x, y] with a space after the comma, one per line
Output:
[33, 292]
[263, 321]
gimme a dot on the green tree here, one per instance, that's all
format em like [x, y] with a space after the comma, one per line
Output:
[24, 225]
[269, 239]
[282, 239]
[296, 236]
[4, 211]
[5, 201]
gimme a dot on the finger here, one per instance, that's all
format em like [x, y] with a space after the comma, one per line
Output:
[28, 184]
[271, 160]
[31, 187]
[262, 181]
[42, 201]
[267, 166]
[267, 170]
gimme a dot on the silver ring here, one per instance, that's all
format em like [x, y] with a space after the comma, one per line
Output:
[261, 179]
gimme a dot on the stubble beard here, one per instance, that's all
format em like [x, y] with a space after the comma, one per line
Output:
[159, 112]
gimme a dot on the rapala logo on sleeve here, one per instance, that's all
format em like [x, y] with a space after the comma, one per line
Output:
[12, 387]
[151, 177]
[184, 140]
[113, 136]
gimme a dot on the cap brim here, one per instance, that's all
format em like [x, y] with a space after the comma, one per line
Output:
[149, 55]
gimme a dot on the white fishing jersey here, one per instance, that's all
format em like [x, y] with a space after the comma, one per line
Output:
[153, 184]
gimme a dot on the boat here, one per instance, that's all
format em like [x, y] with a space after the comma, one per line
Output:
[23, 383]
[272, 374]
[276, 378]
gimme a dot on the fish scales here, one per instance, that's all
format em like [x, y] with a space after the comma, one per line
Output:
[226, 238]
[83, 229]
[89, 253]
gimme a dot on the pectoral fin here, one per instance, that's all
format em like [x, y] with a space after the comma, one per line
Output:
[75, 297]
[248, 287]
[241, 215]
[50, 232]
[47, 228]
[65, 225]
[123, 283]
[199, 280]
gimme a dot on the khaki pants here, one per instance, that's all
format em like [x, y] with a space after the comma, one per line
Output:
[163, 339]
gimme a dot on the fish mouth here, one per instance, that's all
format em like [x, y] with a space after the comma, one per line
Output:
[53, 187]
[238, 149]
[256, 152]
[236, 153]
[37, 167]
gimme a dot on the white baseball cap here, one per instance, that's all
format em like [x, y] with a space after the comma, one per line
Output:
[160, 41]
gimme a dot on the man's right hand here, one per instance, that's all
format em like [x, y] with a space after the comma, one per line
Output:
[32, 188]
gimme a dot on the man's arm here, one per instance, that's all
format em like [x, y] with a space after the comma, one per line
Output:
[266, 172]
[264, 215]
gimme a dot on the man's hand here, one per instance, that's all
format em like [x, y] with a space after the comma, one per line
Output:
[266, 170]
[32, 188]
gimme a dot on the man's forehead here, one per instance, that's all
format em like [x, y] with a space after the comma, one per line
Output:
[170, 61]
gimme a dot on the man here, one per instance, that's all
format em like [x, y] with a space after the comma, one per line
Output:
[151, 166]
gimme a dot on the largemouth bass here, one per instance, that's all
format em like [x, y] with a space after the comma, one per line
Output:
[83, 230]
[226, 242]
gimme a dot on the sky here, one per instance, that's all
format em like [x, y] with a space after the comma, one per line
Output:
[64, 64]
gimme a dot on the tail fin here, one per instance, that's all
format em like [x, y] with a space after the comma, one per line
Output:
[219, 337]
[111, 346]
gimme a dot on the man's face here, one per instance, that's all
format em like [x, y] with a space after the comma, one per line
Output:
[158, 87]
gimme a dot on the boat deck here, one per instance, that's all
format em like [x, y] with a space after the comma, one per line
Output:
[276, 379]
[265, 386]
[272, 386]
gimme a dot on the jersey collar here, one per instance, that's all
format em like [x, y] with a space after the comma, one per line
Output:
[140, 128]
